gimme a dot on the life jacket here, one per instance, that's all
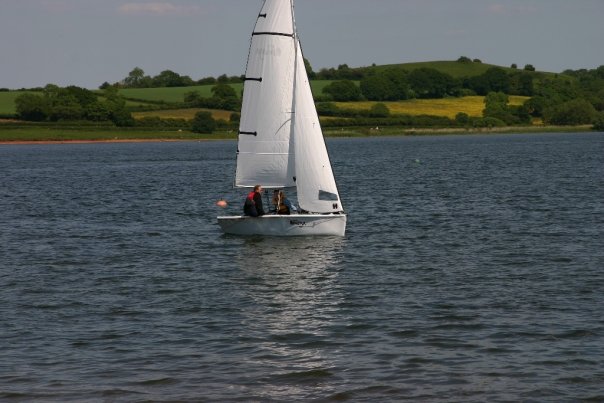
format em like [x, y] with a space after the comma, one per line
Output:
[249, 207]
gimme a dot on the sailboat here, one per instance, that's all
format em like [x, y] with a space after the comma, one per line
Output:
[281, 144]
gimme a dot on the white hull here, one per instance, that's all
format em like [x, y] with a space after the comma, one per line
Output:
[285, 225]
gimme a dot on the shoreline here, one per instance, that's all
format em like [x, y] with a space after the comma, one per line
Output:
[141, 140]
[327, 132]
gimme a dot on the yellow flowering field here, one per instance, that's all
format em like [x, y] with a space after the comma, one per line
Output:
[449, 107]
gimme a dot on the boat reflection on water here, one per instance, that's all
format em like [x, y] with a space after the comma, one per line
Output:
[312, 254]
[294, 298]
[294, 276]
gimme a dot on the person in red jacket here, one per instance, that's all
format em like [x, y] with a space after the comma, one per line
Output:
[253, 203]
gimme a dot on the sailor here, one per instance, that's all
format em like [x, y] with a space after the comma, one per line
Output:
[282, 203]
[253, 203]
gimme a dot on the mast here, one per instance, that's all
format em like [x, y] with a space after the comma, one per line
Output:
[292, 135]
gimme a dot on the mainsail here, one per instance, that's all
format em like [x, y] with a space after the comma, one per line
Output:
[265, 155]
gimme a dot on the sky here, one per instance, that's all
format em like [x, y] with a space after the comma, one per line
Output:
[88, 42]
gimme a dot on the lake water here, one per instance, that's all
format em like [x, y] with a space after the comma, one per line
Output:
[472, 270]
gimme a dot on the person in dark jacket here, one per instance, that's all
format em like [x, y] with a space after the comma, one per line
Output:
[253, 203]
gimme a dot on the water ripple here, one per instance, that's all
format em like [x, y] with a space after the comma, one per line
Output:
[474, 275]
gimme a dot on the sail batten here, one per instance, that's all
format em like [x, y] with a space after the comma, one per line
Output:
[272, 33]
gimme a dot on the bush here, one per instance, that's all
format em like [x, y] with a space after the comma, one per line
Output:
[235, 117]
[343, 91]
[122, 118]
[203, 123]
[327, 109]
[599, 122]
[379, 110]
[488, 122]
[378, 88]
[32, 107]
[575, 112]
[222, 124]
[462, 119]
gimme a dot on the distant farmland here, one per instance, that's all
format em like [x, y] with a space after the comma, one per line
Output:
[449, 107]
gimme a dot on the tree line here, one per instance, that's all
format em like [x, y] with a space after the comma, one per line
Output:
[570, 98]
[56, 104]
[167, 78]
[73, 103]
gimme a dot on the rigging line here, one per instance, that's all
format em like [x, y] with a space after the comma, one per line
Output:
[294, 118]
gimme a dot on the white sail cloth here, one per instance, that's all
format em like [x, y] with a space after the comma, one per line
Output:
[280, 140]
